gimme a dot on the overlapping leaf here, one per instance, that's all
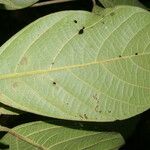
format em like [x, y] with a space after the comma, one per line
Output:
[80, 66]
[17, 4]
[112, 3]
[45, 136]
[5, 110]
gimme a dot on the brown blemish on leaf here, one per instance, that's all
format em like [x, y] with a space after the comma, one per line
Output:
[81, 116]
[96, 108]
[102, 22]
[119, 55]
[24, 61]
[85, 116]
[112, 14]
[95, 97]
[136, 53]
[109, 111]
[15, 85]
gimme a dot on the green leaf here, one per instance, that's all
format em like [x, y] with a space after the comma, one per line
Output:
[46, 136]
[17, 4]
[80, 66]
[112, 3]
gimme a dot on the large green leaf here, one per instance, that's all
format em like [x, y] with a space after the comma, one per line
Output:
[112, 3]
[45, 136]
[80, 66]
[17, 4]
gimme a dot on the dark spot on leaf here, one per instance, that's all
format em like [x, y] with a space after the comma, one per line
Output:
[112, 14]
[100, 111]
[109, 111]
[54, 83]
[95, 97]
[24, 61]
[102, 22]
[81, 31]
[81, 116]
[119, 55]
[75, 21]
[15, 85]
[136, 53]
[96, 108]
[52, 63]
[85, 116]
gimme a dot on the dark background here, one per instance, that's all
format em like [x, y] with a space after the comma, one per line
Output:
[12, 21]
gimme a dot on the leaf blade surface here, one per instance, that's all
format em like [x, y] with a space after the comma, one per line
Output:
[47, 136]
[94, 70]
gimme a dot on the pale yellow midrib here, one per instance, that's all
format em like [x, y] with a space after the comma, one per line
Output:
[44, 71]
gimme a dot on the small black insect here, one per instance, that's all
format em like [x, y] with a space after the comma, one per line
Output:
[54, 83]
[75, 21]
[81, 31]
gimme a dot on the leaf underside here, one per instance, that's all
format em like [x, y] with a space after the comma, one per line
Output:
[17, 4]
[45, 136]
[80, 66]
[112, 3]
